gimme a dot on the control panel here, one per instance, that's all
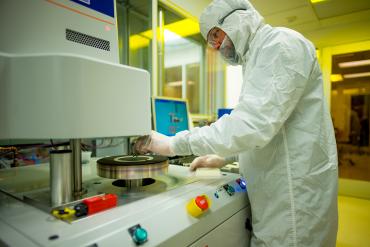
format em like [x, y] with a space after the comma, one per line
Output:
[192, 214]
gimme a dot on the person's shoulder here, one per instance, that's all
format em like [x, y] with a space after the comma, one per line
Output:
[286, 45]
[288, 32]
[291, 37]
[286, 42]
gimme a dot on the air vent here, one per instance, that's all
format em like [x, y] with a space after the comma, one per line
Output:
[87, 40]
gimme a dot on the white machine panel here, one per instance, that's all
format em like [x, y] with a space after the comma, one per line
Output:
[59, 26]
[232, 232]
[62, 96]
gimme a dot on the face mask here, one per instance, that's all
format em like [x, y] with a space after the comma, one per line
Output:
[228, 51]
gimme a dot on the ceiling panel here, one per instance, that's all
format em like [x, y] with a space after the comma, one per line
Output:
[327, 23]
[292, 17]
[332, 8]
[339, 34]
[270, 7]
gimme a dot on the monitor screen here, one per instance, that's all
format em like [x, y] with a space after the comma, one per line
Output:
[170, 116]
[223, 111]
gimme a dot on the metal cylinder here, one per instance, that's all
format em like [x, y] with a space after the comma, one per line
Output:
[134, 183]
[77, 167]
[61, 177]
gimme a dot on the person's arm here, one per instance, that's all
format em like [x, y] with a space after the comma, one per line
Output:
[273, 88]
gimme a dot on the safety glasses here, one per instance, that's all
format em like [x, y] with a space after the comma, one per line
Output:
[213, 37]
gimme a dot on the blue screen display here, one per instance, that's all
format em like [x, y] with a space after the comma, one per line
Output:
[103, 6]
[171, 116]
[223, 111]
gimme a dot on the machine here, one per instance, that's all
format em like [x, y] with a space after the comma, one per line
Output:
[60, 79]
[158, 208]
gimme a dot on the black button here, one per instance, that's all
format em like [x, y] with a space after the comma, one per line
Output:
[53, 237]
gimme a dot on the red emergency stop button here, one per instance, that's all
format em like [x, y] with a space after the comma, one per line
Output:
[201, 202]
[198, 205]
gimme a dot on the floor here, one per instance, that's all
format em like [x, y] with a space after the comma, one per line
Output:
[354, 222]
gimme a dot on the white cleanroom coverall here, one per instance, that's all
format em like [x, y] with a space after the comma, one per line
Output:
[281, 129]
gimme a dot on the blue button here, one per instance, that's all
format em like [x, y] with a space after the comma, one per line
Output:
[242, 183]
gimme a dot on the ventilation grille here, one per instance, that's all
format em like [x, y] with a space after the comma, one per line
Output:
[87, 40]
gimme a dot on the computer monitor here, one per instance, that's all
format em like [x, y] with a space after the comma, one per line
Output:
[223, 111]
[170, 115]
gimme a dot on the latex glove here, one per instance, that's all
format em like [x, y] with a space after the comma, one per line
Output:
[153, 143]
[211, 161]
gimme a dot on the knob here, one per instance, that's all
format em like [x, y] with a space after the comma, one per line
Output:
[198, 205]
[242, 183]
[140, 235]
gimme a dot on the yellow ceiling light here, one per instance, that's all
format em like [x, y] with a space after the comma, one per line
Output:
[336, 77]
[140, 40]
[354, 63]
[137, 41]
[317, 1]
[183, 28]
[357, 75]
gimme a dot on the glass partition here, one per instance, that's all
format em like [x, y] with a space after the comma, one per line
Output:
[186, 68]
[134, 32]
[350, 110]
[181, 57]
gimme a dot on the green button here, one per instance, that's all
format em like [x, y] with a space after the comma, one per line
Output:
[231, 189]
[140, 235]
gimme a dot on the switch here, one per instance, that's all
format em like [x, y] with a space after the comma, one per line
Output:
[242, 183]
[229, 189]
[198, 205]
[139, 235]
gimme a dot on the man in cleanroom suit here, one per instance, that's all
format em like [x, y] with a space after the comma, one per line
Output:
[281, 129]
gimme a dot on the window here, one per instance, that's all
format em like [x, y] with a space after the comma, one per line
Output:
[350, 110]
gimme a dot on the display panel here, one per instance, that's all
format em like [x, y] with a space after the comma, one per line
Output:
[170, 116]
[103, 6]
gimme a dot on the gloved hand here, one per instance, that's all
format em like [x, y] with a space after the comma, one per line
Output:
[153, 143]
[211, 160]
